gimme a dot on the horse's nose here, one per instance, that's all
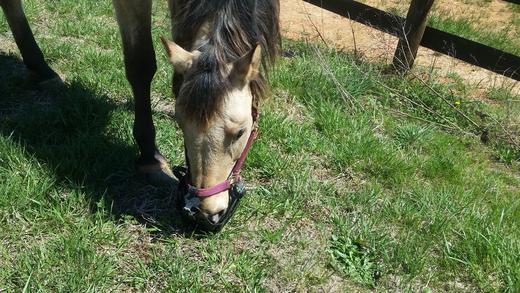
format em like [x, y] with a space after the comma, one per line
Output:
[213, 207]
[214, 219]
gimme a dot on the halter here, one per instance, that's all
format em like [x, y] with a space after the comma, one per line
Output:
[233, 183]
[234, 176]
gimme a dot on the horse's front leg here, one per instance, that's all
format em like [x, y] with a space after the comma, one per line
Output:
[134, 19]
[31, 53]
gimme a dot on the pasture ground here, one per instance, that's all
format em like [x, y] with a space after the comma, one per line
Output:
[360, 180]
[492, 22]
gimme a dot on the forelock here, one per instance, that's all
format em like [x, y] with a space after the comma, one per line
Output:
[204, 88]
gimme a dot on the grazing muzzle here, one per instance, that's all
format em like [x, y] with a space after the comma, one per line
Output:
[188, 196]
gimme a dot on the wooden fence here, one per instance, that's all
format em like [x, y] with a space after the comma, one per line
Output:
[413, 32]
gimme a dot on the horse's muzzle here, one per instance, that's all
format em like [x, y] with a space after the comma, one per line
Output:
[188, 203]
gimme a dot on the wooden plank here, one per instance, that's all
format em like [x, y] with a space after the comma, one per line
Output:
[472, 52]
[463, 49]
[412, 34]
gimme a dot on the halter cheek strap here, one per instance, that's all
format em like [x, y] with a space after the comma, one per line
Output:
[235, 172]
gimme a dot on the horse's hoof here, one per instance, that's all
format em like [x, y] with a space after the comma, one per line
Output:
[163, 178]
[52, 83]
[157, 174]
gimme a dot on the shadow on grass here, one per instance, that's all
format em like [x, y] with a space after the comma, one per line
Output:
[81, 136]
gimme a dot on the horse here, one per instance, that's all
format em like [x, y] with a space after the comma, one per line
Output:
[219, 51]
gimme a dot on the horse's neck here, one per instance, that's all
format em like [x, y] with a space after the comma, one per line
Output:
[202, 36]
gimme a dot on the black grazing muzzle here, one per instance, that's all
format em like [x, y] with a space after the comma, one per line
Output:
[187, 201]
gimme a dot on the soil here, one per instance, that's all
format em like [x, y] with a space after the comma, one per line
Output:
[300, 20]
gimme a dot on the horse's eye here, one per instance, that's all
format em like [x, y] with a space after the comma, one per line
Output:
[240, 133]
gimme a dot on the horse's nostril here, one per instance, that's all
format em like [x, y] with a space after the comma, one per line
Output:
[214, 219]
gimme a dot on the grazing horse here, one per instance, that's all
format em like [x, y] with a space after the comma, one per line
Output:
[218, 49]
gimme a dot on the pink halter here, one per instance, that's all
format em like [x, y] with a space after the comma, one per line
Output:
[235, 172]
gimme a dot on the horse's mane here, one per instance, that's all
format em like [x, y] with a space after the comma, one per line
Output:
[237, 26]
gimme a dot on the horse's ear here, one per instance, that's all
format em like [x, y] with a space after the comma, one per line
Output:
[181, 59]
[247, 67]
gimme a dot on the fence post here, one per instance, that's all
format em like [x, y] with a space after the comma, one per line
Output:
[410, 39]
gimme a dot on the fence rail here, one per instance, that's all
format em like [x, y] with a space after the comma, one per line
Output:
[446, 43]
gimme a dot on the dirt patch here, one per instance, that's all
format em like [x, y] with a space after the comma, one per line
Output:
[302, 254]
[300, 20]
[494, 15]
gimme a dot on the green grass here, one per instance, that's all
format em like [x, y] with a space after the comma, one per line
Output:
[384, 188]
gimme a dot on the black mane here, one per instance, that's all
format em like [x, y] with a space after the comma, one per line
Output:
[237, 26]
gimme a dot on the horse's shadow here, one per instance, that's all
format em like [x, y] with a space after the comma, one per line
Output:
[73, 131]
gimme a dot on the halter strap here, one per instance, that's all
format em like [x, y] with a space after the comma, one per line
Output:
[235, 172]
